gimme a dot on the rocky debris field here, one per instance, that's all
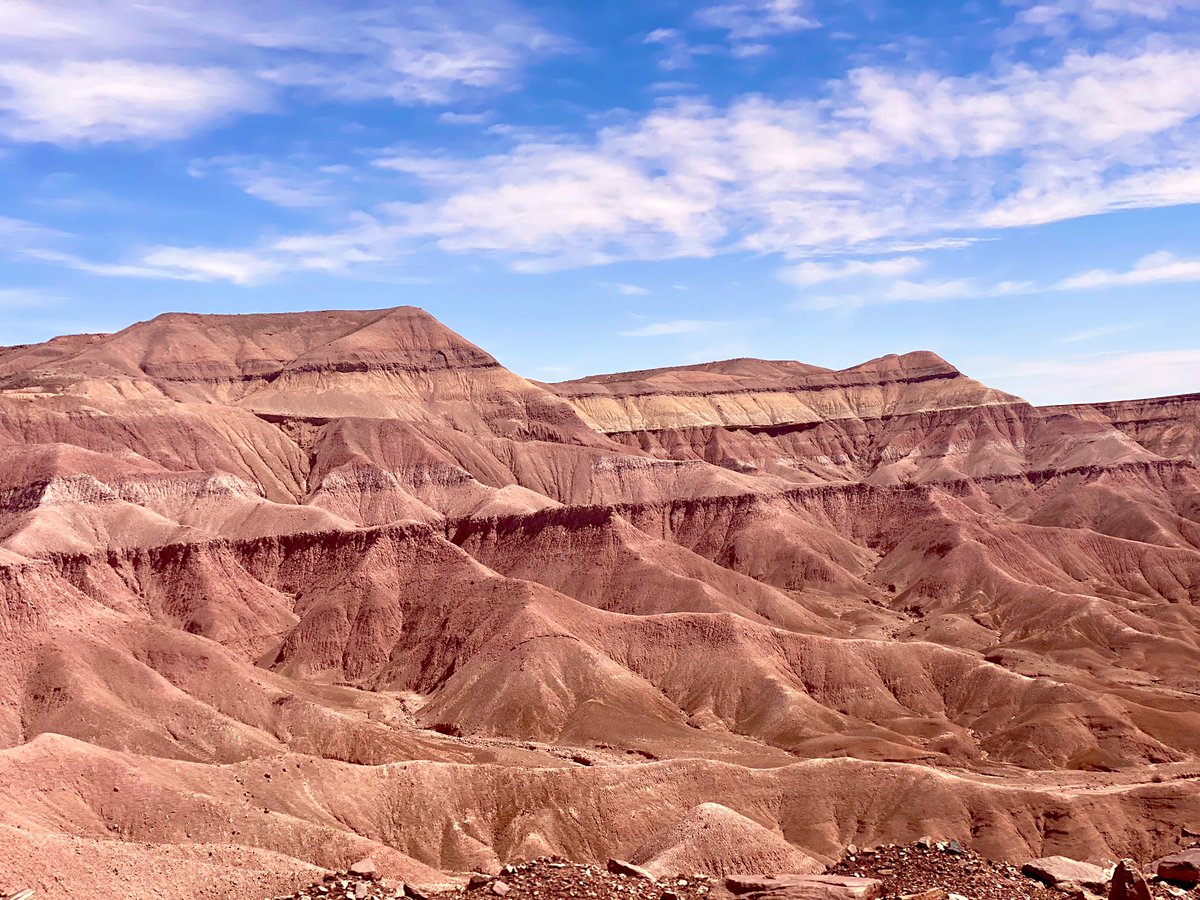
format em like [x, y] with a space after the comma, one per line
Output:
[938, 870]
[924, 870]
[946, 870]
[540, 879]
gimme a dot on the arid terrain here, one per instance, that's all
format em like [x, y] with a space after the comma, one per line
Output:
[280, 592]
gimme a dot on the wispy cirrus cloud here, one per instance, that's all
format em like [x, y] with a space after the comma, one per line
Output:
[1100, 331]
[175, 264]
[289, 183]
[1094, 377]
[756, 20]
[628, 290]
[673, 327]
[1155, 268]
[881, 288]
[811, 273]
[904, 291]
[116, 100]
[1063, 18]
[27, 298]
[102, 70]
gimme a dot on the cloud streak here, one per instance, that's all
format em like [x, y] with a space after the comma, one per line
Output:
[1095, 377]
[101, 70]
[667, 329]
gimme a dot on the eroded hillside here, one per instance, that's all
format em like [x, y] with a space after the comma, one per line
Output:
[295, 589]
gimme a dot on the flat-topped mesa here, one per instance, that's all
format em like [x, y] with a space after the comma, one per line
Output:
[190, 347]
[751, 393]
[396, 363]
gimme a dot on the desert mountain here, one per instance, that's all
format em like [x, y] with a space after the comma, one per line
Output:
[283, 591]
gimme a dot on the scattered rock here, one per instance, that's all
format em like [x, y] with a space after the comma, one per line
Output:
[1128, 883]
[1061, 871]
[907, 870]
[621, 867]
[805, 887]
[364, 868]
[1181, 868]
[931, 894]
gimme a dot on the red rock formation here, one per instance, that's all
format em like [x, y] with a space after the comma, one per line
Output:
[294, 590]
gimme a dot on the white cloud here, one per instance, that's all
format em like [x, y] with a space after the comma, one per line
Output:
[903, 291]
[286, 183]
[430, 56]
[677, 52]
[810, 273]
[629, 290]
[451, 117]
[753, 20]
[18, 233]
[117, 100]
[106, 70]
[557, 206]
[1156, 268]
[26, 298]
[176, 264]
[1062, 18]
[889, 160]
[1095, 377]
[678, 326]
[1091, 334]
[955, 289]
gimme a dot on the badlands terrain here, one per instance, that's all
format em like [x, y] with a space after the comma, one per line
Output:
[280, 592]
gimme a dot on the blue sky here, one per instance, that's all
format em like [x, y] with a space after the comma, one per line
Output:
[587, 187]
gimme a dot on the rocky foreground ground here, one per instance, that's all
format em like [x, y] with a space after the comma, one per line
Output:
[924, 870]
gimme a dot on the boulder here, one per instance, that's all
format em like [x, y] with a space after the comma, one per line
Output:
[621, 867]
[1061, 870]
[804, 887]
[1180, 868]
[500, 888]
[364, 868]
[1128, 883]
